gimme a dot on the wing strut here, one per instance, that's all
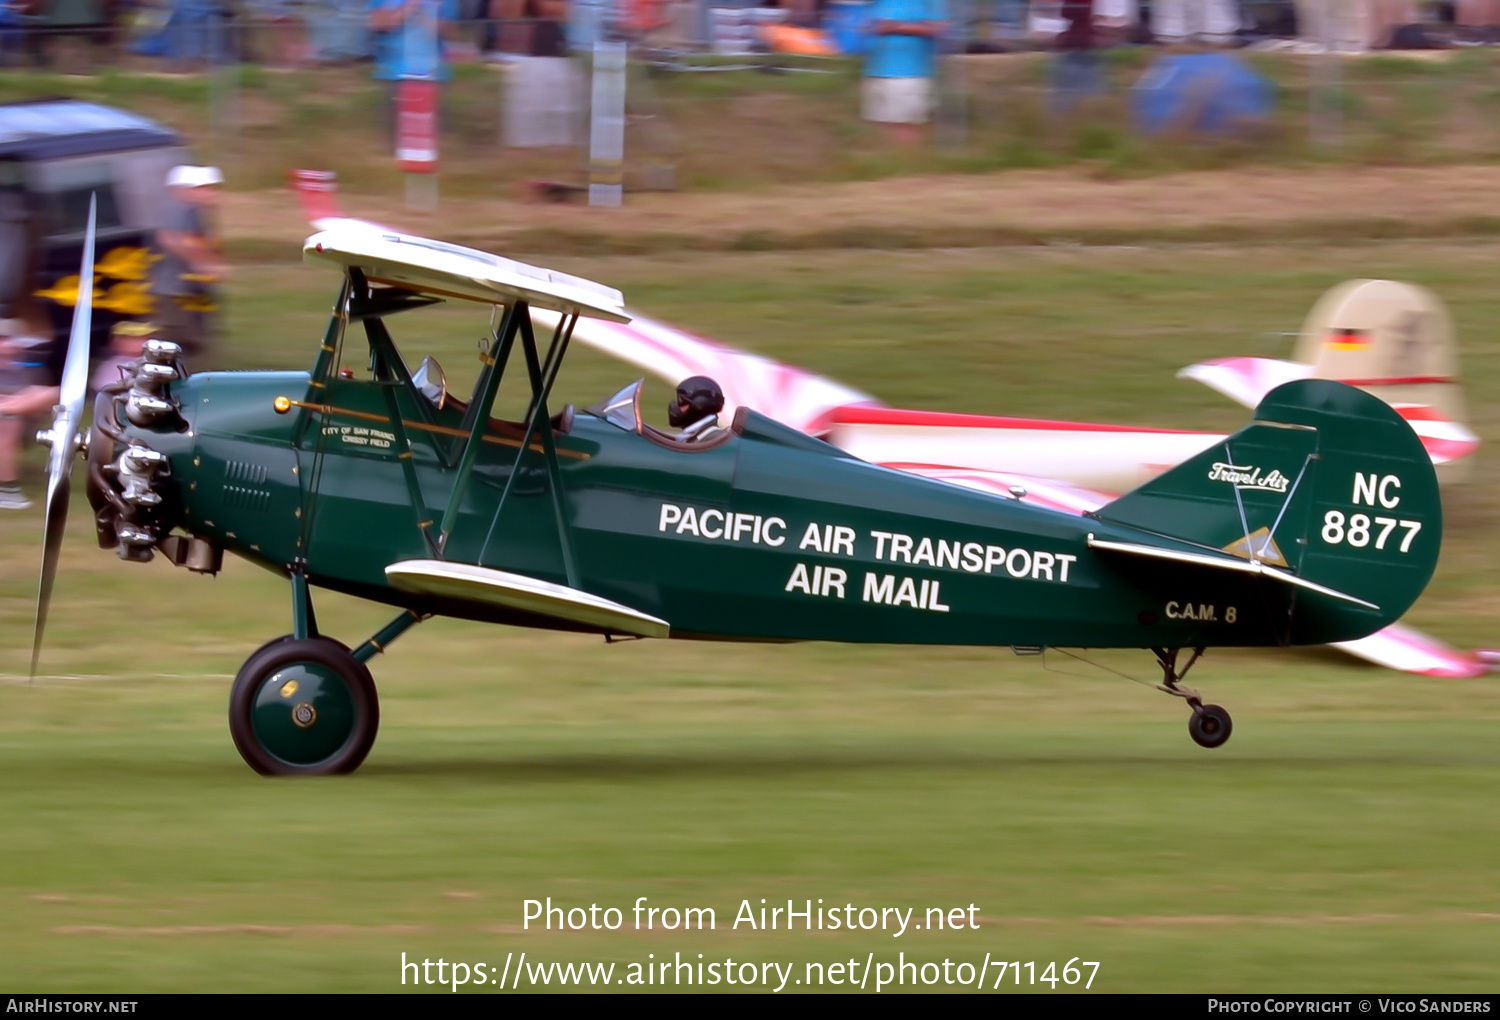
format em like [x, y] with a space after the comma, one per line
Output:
[479, 413]
[542, 376]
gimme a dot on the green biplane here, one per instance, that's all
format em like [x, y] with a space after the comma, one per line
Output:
[1319, 521]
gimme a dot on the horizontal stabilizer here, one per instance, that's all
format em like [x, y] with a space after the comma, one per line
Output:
[1204, 559]
[472, 583]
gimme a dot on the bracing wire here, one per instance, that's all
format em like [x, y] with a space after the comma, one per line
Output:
[1089, 662]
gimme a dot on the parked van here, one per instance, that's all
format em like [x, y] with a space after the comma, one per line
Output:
[54, 154]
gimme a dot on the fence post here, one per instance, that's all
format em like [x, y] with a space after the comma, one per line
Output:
[607, 125]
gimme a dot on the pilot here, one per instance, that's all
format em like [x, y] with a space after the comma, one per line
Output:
[696, 409]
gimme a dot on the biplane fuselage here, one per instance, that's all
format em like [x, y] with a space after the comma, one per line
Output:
[766, 535]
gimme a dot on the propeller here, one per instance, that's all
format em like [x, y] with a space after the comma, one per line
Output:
[63, 436]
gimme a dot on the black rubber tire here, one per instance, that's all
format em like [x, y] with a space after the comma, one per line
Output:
[291, 637]
[1210, 726]
[333, 658]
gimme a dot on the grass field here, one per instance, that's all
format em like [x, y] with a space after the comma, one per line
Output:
[1343, 840]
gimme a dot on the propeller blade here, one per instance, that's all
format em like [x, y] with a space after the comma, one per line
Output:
[57, 518]
[63, 437]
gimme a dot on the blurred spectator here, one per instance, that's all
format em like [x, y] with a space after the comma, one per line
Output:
[186, 32]
[1478, 21]
[25, 391]
[899, 72]
[192, 260]
[1209, 21]
[336, 31]
[127, 341]
[14, 16]
[15, 237]
[1386, 16]
[408, 44]
[282, 32]
[73, 19]
[543, 90]
[199, 32]
[1010, 23]
[1121, 19]
[803, 13]
[1353, 26]
[549, 19]
[1076, 72]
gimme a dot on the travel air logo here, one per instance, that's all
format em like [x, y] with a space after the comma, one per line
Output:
[1249, 477]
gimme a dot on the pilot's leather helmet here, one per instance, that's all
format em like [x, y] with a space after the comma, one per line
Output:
[697, 398]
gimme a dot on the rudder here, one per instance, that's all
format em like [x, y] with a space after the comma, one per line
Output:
[1327, 482]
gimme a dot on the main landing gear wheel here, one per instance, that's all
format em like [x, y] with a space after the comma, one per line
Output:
[303, 707]
[1210, 725]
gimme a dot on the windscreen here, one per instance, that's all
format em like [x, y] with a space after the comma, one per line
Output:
[623, 410]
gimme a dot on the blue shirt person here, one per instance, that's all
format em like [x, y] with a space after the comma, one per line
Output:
[901, 65]
[408, 38]
[906, 38]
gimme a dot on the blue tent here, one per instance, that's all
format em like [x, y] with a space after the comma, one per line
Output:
[1214, 93]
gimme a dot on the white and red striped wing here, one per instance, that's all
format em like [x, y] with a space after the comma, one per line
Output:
[1411, 651]
[1445, 440]
[791, 395]
[1246, 380]
[1105, 458]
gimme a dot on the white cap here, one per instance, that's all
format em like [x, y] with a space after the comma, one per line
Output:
[193, 176]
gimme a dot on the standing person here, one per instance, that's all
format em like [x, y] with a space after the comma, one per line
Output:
[191, 266]
[408, 44]
[1187, 21]
[544, 92]
[28, 391]
[899, 72]
[1076, 72]
[24, 393]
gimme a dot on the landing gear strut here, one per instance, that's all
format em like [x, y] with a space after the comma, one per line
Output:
[1209, 725]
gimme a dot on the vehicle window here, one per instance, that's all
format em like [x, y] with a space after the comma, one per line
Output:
[623, 410]
[68, 211]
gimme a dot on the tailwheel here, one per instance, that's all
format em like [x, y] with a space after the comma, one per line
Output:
[303, 706]
[1210, 726]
